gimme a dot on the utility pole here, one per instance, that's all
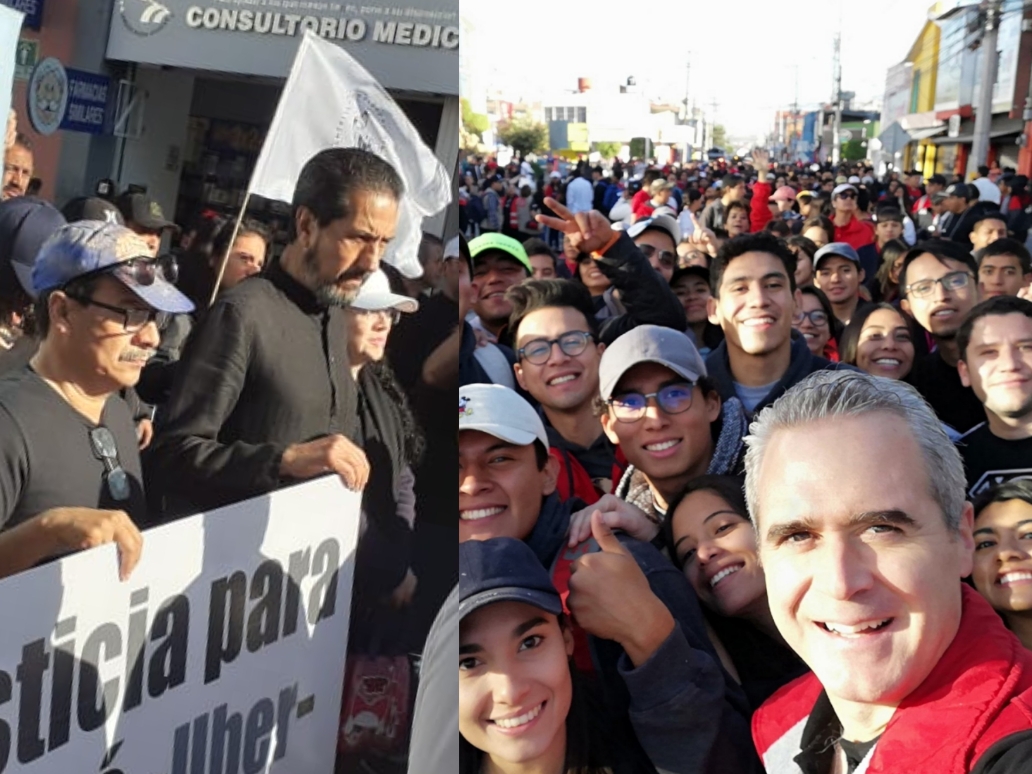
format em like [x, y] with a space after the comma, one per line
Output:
[984, 109]
[687, 86]
[795, 113]
[836, 139]
[713, 122]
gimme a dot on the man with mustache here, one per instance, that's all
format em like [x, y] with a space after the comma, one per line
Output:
[263, 397]
[18, 168]
[70, 472]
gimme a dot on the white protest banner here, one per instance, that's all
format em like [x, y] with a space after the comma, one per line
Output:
[331, 101]
[222, 654]
[10, 28]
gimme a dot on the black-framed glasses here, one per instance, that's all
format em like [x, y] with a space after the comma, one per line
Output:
[391, 315]
[816, 317]
[955, 280]
[538, 351]
[115, 477]
[133, 320]
[672, 399]
[666, 257]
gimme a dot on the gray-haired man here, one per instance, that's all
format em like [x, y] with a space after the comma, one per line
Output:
[912, 671]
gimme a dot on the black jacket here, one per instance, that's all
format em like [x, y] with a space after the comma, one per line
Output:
[646, 297]
[960, 226]
[802, 364]
[266, 368]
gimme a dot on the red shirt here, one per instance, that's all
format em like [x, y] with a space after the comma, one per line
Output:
[856, 233]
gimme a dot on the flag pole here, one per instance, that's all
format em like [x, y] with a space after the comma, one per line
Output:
[229, 247]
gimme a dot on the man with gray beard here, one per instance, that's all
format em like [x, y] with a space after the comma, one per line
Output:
[263, 397]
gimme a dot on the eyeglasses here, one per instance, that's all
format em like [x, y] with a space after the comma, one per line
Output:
[391, 315]
[847, 195]
[538, 351]
[955, 280]
[104, 448]
[666, 257]
[133, 320]
[816, 317]
[672, 399]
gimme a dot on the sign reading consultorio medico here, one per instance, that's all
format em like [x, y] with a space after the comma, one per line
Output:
[408, 47]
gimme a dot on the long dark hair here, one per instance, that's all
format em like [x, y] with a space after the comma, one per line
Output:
[834, 324]
[415, 441]
[851, 335]
[730, 489]
[891, 250]
[588, 746]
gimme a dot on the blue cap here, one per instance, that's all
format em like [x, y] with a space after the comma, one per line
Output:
[88, 246]
[840, 249]
[503, 570]
[25, 224]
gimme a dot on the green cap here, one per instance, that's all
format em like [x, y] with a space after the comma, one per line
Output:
[496, 241]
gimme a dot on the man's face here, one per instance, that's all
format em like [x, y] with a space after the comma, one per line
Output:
[18, 168]
[544, 266]
[845, 202]
[863, 581]
[664, 446]
[737, 222]
[887, 230]
[942, 311]
[245, 260]
[494, 273]
[1001, 275]
[839, 278]
[98, 341]
[998, 364]
[986, 232]
[954, 204]
[658, 246]
[340, 256]
[756, 304]
[933, 188]
[694, 294]
[500, 487]
[433, 262]
[737, 192]
[563, 382]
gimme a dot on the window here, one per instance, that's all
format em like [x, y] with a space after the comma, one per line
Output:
[571, 114]
[915, 92]
[548, 114]
[582, 115]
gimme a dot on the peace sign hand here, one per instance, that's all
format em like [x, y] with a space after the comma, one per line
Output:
[586, 231]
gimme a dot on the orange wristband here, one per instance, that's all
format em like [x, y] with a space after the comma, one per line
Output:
[599, 253]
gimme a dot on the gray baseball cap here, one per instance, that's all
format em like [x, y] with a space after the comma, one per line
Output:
[840, 249]
[649, 344]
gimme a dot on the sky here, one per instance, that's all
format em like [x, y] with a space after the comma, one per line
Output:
[745, 53]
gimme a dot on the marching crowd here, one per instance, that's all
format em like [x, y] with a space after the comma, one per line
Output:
[745, 470]
[126, 401]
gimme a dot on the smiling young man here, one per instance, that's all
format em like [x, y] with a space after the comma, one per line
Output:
[995, 344]
[912, 670]
[499, 263]
[838, 272]
[640, 631]
[657, 403]
[70, 472]
[939, 288]
[754, 302]
[987, 229]
[1004, 268]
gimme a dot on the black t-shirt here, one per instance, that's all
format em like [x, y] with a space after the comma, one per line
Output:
[991, 460]
[47, 459]
[939, 384]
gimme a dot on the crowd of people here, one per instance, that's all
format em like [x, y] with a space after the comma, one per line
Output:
[128, 400]
[745, 452]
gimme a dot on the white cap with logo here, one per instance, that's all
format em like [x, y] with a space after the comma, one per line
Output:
[501, 412]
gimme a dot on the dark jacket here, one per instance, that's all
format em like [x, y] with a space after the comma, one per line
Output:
[687, 714]
[645, 296]
[802, 364]
[266, 368]
[960, 227]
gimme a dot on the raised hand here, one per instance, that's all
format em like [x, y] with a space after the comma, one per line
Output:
[586, 231]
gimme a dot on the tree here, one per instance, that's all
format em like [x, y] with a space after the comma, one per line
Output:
[638, 147]
[523, 135]
[473, 126]
[608, 150]
[853, 150]
[719, 136]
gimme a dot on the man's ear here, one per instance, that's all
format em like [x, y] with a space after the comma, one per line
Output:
[863, 276]
[58, 309]
[712, 310]
[306, 226]
[568, 640]
[904, 304]
[607, 427]
[550, 477]
[965, 375]
[517, 369]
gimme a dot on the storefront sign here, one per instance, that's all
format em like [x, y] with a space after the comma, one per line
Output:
[412, 47]
[33, 10]
[223, 652]
[25, 59]
[67, 99]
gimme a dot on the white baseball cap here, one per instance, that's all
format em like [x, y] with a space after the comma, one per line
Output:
[499, 411]
[376, 294]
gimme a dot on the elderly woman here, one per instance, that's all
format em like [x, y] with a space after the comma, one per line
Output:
[393, 445]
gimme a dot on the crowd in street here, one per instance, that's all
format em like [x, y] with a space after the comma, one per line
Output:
[128, 400]
[745, 469]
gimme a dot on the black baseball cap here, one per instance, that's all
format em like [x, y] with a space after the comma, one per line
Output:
[958, 189]
[92, 208]
[690, 271]
[503, 570]
[141, 210]
[938, 179]
[26, 223]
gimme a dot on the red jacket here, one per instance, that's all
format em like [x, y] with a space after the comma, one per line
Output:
[759, 215]
[978, 693]
[856, 233]
[574, 480]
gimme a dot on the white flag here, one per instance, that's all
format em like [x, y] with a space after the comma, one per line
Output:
[10, 28]
[331, 101]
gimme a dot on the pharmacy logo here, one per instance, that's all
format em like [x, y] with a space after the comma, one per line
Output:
[144, 17]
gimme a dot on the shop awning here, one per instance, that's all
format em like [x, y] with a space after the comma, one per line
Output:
[924, 134]
[967, 138]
